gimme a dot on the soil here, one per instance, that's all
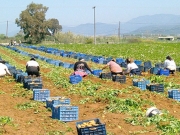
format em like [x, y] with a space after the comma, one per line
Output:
[39, 121]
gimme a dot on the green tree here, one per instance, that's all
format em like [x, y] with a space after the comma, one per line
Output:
[53, 26]
[33, 23]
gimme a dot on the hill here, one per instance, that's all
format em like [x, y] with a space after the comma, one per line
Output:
[149, 24]
[153, 24]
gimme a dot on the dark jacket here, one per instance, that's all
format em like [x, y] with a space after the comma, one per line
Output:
[81, 65]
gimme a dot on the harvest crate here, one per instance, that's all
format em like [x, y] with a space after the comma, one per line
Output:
[74, 79]
[20, 77]
[159, 65]
[174, 94]
[163, 72]
[41, 94]
[56, 101]
[141, 68]
[65, 112]
[96, 129]
[15, 72]
[33, 85]
[140, 83]
[29, 79]
[138, 62]
[155, 87]
[154, 70]
[97, 72]
[105, 76]
[124, 64]
[118, 78]
[119, 60]
[147, 64]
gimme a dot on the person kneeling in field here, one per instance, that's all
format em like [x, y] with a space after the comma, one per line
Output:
[32, 67]
[170, 64]
[114, 67]
[3, 69]
[132, 68]
[80, 68]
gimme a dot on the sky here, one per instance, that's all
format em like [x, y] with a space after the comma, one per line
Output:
[76, 12]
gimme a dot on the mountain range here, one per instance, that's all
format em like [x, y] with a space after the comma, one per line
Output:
[164, 24]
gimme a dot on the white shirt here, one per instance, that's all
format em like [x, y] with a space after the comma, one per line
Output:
[131, 66]
[32, 63]
[170, 64]
[4, 70]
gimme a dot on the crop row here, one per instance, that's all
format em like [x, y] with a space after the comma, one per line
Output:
[154, 51]
[132, 104]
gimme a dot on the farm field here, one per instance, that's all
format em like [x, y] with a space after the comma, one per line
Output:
[121, 107]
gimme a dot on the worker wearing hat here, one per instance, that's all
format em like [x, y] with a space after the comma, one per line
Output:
[114, 67]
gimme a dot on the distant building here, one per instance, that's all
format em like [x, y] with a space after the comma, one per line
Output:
[170, 38]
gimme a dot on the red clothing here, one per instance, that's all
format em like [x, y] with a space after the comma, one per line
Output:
[114, 67]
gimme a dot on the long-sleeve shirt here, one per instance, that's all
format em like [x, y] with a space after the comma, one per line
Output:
[4, 70]
[170, 64]
[81, 65]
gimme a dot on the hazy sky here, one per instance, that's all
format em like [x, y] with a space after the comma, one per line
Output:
[75, 12]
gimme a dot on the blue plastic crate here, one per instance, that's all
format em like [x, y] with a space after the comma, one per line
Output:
[20, 77]
[147, 64]
[117, 78]
[105, 76]
[56, 101]
[101, 60]
[105, 61]
[155, 87]
[174, 94]
[41, 94]
[138, 62]
[16, 71]
[66, 65]
[98, 129]
[124, 64]
[65, 112]
[33, 85]
[119, 60]
[74, 79]
[163, 72]
[154, 70]
[159, 65]
[141, 68]
[97, 72]
[29, 79]
[140, 83]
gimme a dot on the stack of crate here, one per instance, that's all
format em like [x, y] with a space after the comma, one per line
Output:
[31, 82]
[62, 108]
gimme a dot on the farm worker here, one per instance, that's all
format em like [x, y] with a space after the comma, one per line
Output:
[132, 68]
[3, 69]
[170, 64]
[114, 67]
[32, 67]
[80, 68]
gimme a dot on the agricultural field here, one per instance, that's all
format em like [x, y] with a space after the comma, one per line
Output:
[122, 107]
